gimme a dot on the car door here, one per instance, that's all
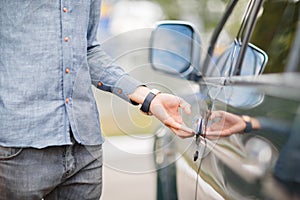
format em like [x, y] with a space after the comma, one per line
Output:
[227, 167]
[231, 79]
[244, 161]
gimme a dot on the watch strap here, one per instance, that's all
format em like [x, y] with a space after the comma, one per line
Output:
[147, 102]
[248, 127]
[248, 123]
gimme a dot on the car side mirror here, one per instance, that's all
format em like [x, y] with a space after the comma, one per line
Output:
[175, 48]
[225, 65]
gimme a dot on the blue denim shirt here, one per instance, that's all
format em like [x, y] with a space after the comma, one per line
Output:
[49, 60]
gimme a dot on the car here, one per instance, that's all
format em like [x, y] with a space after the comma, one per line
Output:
[250, 67]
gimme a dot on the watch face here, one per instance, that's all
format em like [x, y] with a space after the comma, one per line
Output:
[246, 118]
[155, 91]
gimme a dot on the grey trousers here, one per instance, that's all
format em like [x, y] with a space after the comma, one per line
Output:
[63, 172]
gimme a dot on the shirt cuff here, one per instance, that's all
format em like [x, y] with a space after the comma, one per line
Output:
[125, 86]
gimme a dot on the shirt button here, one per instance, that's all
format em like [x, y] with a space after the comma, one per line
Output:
[99, 84]
[65, 9]
[119, 91]
[67, 70]
[67, 100]
[66, 39]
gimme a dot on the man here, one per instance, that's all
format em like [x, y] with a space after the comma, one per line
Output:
[50, 138]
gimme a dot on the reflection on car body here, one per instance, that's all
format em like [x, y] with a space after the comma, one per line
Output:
[255, 75]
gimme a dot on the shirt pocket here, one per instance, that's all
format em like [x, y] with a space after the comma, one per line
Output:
[9, 152]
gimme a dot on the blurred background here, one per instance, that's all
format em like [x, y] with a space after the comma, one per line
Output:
[124, 31]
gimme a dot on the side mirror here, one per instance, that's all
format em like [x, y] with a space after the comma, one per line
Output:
[254, 62]
[175, 48]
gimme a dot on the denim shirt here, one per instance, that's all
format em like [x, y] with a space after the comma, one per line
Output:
[49, 60]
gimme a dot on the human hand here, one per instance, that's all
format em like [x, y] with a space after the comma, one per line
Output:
[165, 107]
[228, 124]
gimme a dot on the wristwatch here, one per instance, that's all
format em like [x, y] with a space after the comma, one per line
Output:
[145, 108]
[247, 120]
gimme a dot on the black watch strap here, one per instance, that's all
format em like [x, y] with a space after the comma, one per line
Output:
[248, 127]
[146, 104]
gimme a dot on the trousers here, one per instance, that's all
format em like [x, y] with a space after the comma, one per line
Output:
[61, 172]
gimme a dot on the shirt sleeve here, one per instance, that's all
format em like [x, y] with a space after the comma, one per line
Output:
[276, 125]
[105, 75]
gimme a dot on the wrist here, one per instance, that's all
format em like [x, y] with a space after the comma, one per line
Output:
[145, 108]
[255, 123]
[139, 94]
[248, 124]
[251, 123]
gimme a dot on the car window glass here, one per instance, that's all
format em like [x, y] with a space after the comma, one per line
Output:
[225, 41]
[275, 33]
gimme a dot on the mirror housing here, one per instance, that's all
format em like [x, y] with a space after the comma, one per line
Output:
[175, 48]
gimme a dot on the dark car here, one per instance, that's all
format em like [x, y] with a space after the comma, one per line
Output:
[250, 67]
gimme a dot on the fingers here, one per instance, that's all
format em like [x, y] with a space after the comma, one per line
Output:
[185, 106]
[182, 134]
[216, 114]
[170, 122]
[179, 129]
[187, 130]
[218, 133]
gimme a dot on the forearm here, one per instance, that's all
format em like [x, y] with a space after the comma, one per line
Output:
[105, 75]
[277, 125]
[268, 124]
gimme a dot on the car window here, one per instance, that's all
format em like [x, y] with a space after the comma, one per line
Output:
[272, 35]
[220, 61]
[231, 28]
[275, 33]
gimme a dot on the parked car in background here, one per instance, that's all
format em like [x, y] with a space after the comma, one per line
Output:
[251, 67]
